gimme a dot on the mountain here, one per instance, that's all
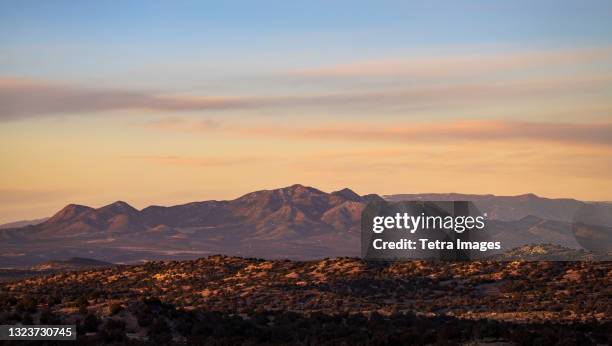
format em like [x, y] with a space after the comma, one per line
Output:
[292, 222]
[510, 208]
[516, 219]
[83, 221]
[23, 223]
[532, 229]
[285, 213]
[296, 222]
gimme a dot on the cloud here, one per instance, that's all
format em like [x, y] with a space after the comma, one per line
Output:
[24, 99]
[210, 161]
[436, 66]
[594, 134]
[577, 133]
[177, 124]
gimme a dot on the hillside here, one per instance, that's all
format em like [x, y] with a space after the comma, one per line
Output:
[549, 252]
[74, 263]
[51, 267]
[234, 300]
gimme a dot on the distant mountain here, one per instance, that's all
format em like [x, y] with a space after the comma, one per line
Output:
[284, 213]
[78, 220]
[296, 222]
[23, 223]
[511, 208]
[532, 229]
[291, 222]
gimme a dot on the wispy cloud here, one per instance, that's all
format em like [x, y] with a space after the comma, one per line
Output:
[23, 99]
[181, 125]
[577, 133]
[453, 65]
[593, 134]
[201, 161]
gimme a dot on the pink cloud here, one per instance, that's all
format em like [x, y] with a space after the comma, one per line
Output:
[24, 99]
[436, 66]
[599, 134]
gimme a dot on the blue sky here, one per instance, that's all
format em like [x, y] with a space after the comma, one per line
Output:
[175, 101]
[56, 39]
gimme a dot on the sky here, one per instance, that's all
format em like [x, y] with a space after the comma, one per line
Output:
[167, 102]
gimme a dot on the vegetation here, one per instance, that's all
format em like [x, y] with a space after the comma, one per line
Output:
[229, 300]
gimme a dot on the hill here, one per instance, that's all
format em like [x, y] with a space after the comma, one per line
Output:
[549, 252]
[74, 263]
[230, 300]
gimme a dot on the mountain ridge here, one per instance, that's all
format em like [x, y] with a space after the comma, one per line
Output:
[297, 222]
[510, 208]
[368, 197]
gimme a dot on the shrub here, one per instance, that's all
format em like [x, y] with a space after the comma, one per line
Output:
[115, 308]
[91, 323]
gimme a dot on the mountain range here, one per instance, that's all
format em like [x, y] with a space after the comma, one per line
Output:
[296, 222]
[23, 223]
[510, 208]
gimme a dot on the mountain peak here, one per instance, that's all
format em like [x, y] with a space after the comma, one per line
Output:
[299, 188]
[69, 212]
[288, 191]
[347, 193]
[528, 196]
[75, 207]
[119, 206]
[372, 198]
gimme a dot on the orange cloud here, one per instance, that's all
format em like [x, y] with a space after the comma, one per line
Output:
[593, 134]
[598, 134]
[433, 66]
[24, 98]
[211, 161]
[20, 99]
[180, 125]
